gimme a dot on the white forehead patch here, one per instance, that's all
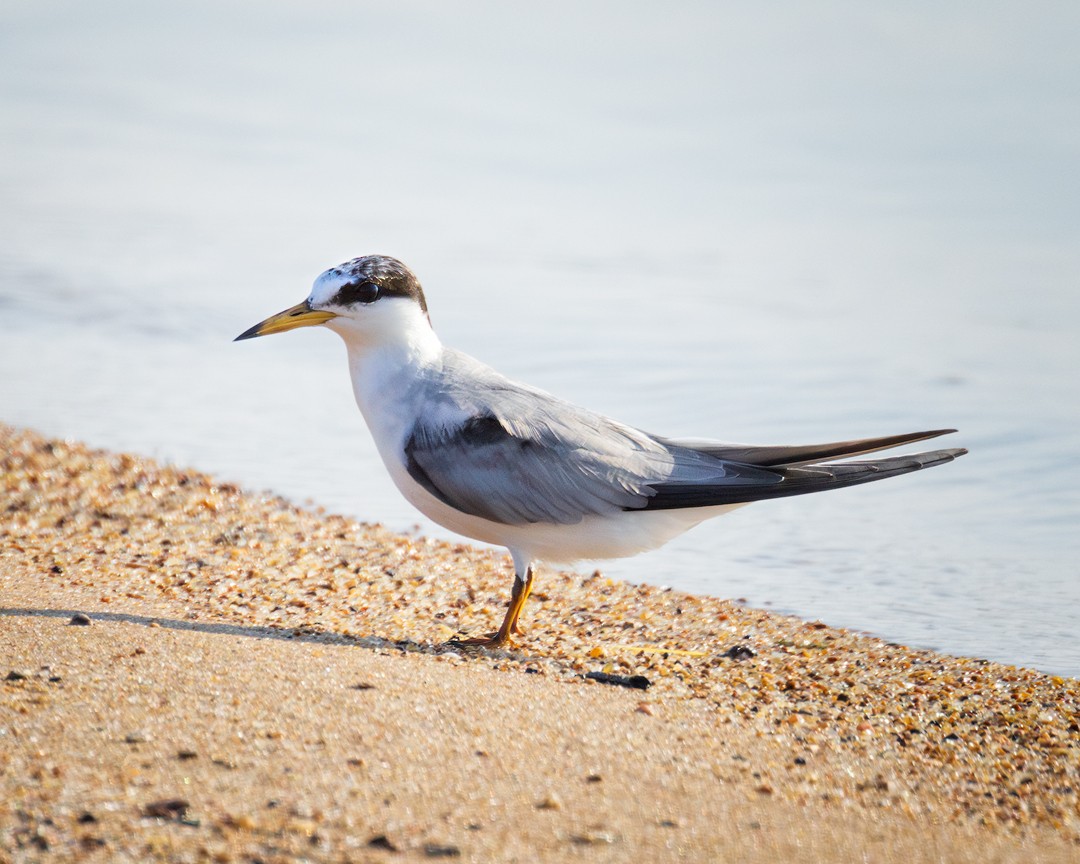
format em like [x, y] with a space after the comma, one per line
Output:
[393, 278]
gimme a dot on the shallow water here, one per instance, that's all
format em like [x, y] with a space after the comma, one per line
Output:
[749, 226]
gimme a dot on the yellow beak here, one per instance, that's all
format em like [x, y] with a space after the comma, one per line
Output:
[300, 315]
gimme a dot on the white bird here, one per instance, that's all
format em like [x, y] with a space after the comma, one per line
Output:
[511, 465]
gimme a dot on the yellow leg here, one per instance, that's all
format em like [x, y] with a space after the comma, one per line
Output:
[520, 593]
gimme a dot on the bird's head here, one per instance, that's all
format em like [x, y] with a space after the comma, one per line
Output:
[364, 300]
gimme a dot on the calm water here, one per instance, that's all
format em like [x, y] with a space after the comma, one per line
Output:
[772, 226]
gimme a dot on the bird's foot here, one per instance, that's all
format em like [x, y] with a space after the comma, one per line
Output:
[501, 637]
[491, 640]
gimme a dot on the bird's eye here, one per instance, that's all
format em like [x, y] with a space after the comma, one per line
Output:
[358, 292]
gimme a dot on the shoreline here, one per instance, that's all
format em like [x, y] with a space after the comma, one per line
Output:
[830, 742]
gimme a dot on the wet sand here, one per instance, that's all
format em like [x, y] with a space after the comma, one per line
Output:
[260, 682]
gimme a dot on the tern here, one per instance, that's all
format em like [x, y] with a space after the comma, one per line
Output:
[514, 466]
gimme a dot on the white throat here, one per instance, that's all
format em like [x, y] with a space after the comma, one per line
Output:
[388, 352]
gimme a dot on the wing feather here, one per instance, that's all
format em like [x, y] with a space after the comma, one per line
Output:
[801, 454]
[795, 481]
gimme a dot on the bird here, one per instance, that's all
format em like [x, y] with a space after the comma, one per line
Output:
[512, 465]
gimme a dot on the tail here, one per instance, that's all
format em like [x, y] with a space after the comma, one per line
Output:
[778, 472]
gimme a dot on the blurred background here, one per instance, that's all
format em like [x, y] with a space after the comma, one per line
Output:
[775, 223]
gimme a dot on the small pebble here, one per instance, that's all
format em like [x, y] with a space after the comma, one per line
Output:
[80, 619]
[593, 838]
[440, 850]
[634, 682]
[740, 652]
[167, 808]
[243, 822]
[380, 841]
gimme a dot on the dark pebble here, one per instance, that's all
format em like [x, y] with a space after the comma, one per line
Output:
[80, 620]
[184, 755]
[634, 682]
[381, 841]
[15, 676]
[86, 818]
[167, 808]
[740, 652]
[437, 850]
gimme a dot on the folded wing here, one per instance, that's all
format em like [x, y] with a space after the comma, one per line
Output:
[559, 466]
[515, 455]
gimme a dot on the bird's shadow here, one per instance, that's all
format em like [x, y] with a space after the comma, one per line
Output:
[285, 634]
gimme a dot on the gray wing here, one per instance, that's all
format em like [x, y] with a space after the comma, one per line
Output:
[517, 455]
[556, 470]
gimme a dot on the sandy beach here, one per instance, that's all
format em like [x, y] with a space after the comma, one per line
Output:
[191, 672]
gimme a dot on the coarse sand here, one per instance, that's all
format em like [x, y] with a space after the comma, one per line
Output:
[189, 672]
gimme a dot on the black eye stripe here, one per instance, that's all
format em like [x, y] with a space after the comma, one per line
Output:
[387, 276]
[357, 292]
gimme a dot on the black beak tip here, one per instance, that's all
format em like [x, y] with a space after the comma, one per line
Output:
[250, 333]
